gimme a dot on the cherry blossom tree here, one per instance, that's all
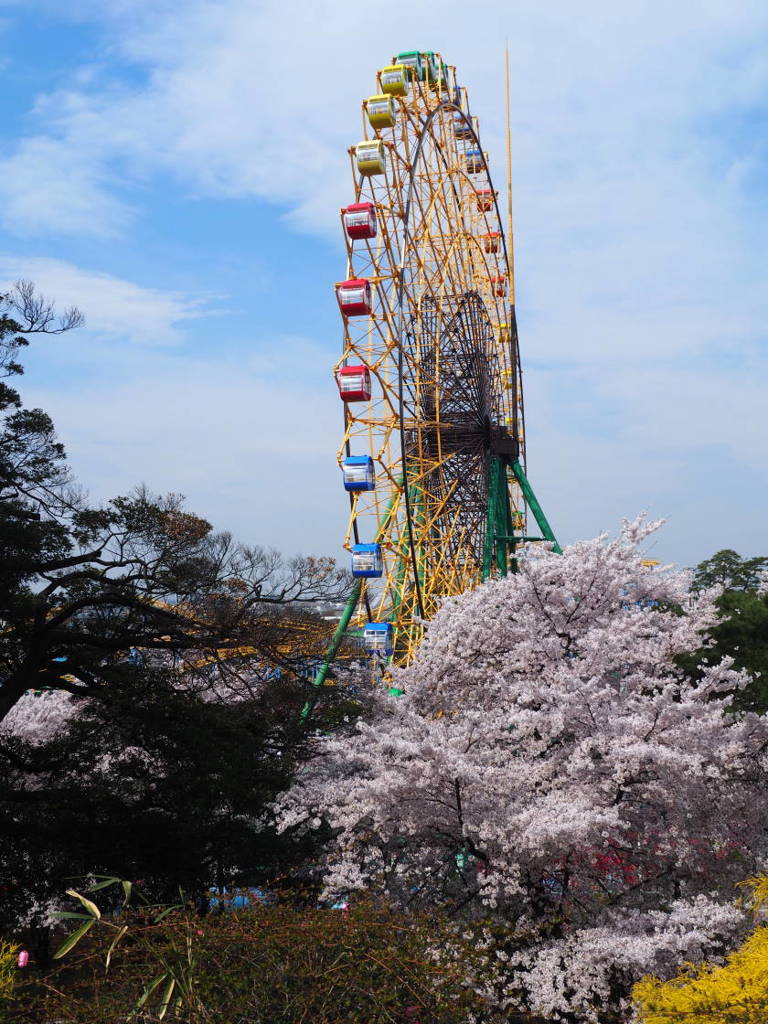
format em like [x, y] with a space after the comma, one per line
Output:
[552, 769]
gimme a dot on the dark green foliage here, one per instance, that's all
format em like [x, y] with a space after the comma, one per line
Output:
[743, 636]
[743, 632]
[728, 569]
[80, 586]
[156, 785]
[31, 463]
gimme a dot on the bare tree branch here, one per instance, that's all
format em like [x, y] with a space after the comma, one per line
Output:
[38, 314]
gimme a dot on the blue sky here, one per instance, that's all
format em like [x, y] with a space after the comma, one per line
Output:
[176, 170]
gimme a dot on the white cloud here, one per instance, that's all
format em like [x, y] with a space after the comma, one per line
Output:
[112, 307]
[48, 185]
[249, 438]
[620, 186]
[640, 218]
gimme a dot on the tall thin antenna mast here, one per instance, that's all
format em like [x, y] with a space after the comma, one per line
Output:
[510, 233]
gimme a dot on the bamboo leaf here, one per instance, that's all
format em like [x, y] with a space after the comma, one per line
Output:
[69, 915]
[112, 945]
[164, 913]
[149, 990]
[91, 907]
[103, 884]
[73, 939]
[127, 890]
[166, 999]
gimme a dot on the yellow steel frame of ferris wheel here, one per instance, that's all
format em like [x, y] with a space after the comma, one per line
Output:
[443, 258]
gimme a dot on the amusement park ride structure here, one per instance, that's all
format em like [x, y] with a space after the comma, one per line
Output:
[433, 452]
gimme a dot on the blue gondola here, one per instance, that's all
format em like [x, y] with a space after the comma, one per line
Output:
[461, 128]
[474, 158]
[379, 638]
[367, 561]
[358, 473]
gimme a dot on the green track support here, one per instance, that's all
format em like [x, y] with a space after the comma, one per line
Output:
[503, 519]
[546, 530]
[500, 541]
[346, 615]
[333, 646]
[490, 519]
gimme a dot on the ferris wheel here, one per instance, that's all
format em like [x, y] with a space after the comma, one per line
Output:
[433, 448]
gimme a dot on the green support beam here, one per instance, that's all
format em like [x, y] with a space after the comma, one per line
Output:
[503, 515]
[333, 646]
[490, 520]
[346, 616]
[500, 540]
[546, 530]
[496, 518]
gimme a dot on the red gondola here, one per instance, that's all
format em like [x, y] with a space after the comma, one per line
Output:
[354, 296]
[354, 383]
[360, 220]
[499, 285]
[491, 241]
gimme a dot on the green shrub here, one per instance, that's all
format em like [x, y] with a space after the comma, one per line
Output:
[8, 972]
[266, 965]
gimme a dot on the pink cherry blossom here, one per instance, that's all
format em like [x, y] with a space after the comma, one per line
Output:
[550, 765]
